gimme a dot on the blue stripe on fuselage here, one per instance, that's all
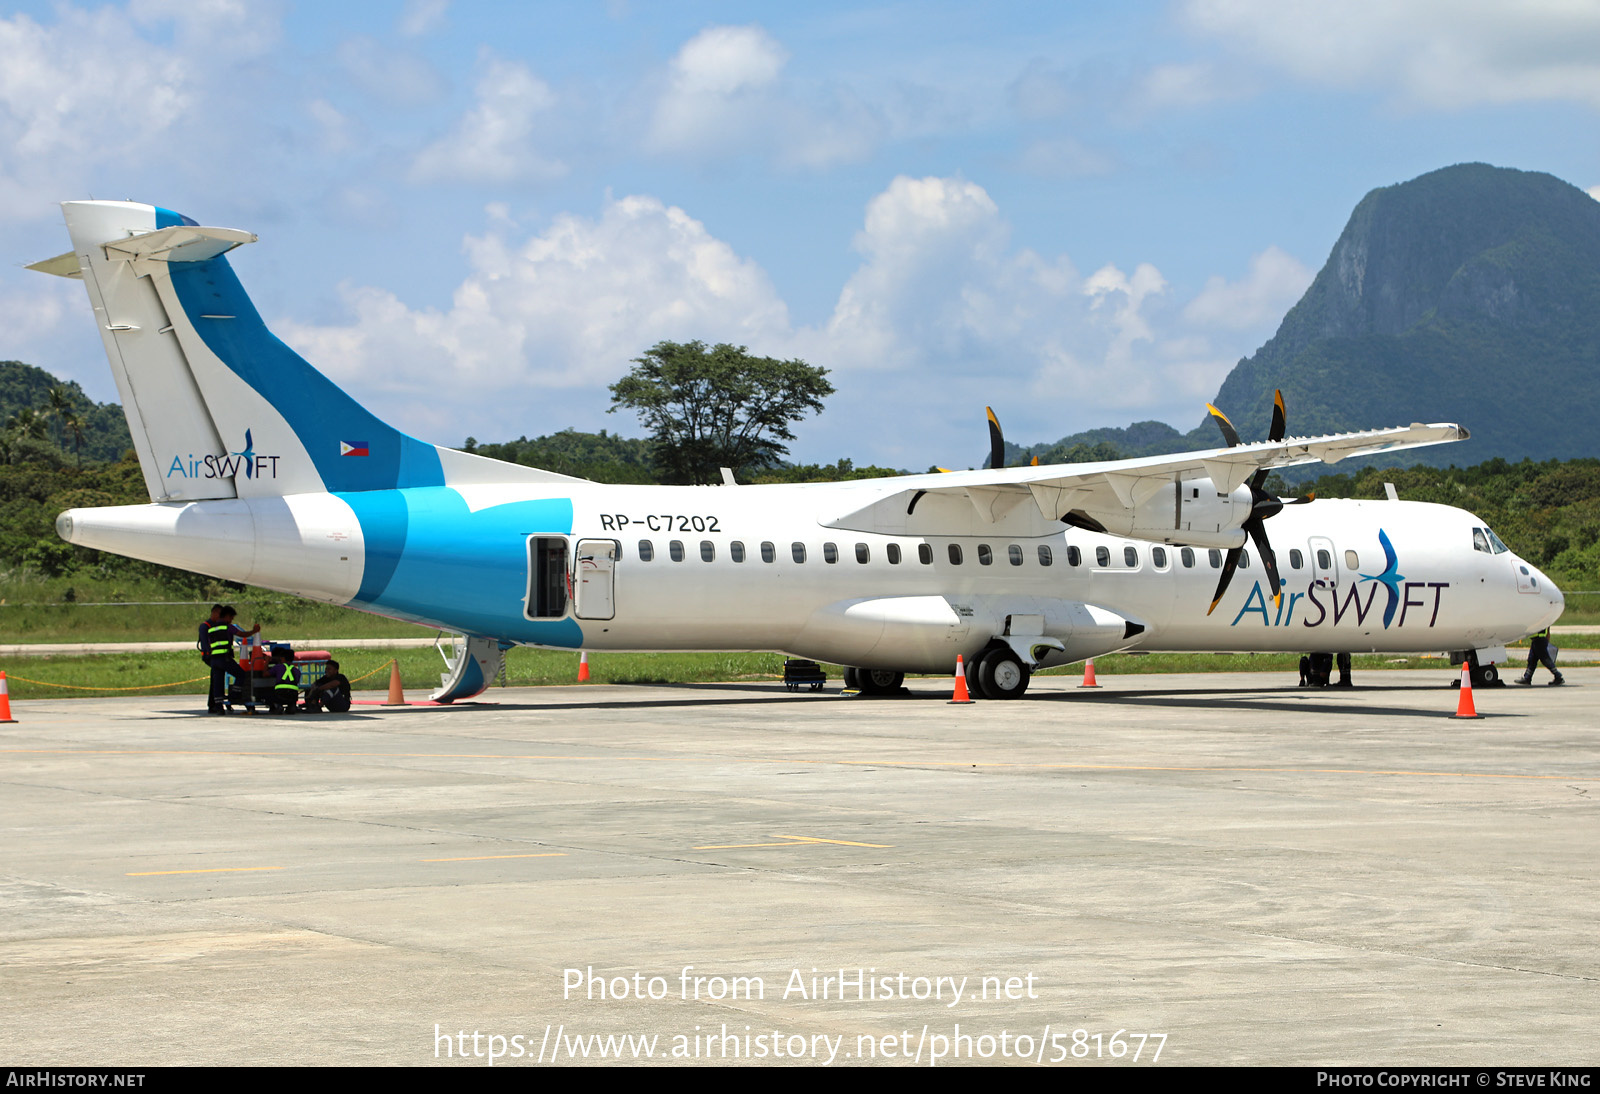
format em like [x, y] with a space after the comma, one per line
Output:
[430, 559]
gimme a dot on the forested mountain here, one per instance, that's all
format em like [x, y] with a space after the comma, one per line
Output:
[1469, 295]
[103, 427]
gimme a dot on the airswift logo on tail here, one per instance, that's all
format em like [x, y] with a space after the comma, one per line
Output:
[246, 461]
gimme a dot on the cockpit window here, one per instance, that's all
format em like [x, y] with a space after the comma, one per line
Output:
[1480, 540]
[1494, 540]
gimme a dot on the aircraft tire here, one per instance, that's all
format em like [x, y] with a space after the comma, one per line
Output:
[1003, 675]
[852, 679]
[879, 681]
[975, 675]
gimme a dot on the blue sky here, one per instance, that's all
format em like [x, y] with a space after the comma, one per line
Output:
[475, 215]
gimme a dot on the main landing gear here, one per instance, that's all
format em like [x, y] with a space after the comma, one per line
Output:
[997, 673]
[874, 681]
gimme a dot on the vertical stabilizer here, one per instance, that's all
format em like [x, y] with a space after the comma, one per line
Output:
[217, 405]
[172, 431]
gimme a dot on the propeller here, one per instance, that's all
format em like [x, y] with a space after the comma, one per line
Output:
[997, 442]
[1262, 507]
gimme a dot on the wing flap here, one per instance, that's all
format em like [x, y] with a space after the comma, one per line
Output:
[1123, 485]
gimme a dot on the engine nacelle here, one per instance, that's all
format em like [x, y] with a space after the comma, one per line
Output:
[1190, 512]
[924, 633]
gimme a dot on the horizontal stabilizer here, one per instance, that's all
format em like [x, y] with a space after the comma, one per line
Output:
[179, 243]
[61, 265]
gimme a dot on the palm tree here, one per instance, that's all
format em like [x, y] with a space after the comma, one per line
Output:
[28, 423]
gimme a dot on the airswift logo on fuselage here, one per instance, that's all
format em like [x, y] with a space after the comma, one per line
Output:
[246, 461]
[1357, 601]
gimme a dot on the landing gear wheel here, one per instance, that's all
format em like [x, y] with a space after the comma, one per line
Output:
[1486, 676]
[975, 676]
[879, 681]
[852, 679]
[1002, 675]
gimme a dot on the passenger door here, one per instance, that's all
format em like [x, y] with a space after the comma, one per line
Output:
[595, 578]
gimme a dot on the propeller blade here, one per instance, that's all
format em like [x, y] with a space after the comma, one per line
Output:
[1229, 564]
[1258, 533]
[1280, 420]
[1229, 434]
[997, 441]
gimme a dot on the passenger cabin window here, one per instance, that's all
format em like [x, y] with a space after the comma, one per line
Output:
[675, 549]
[830, 553]
[1074, 556]
[925, 554]
[547, 594]
[955, 554]
[1158, 555]
[1046, 558]
[863, 555]
[647, 550]
[1324, 560]
[708, 551]
[1244, 560]
[1351, 561]
[1102, 556]
[1130, 557]
[985, 555]
[736, 551]
[1186, 556]
[798, 550]
[1214, 556]
[893, 551]
[1014, 553]
[769, 553]
[1297, 561]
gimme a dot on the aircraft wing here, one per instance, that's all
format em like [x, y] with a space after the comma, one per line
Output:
[1127, 484]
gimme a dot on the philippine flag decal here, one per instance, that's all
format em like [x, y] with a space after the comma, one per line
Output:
[352, 448]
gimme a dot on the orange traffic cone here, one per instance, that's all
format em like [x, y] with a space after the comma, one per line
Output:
[397, 696]
[583, 667]
[961, 695]
[5, 701]
[1464, 707]
[1088, 675]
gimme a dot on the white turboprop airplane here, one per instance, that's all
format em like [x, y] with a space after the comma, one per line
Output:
[1014, 568]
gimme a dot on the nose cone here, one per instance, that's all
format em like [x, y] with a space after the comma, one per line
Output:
[1547, 599]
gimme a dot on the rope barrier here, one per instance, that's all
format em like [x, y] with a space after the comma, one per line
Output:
[380, 668]
[79, 687]
[157, 687]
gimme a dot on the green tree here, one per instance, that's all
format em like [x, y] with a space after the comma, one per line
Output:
[717, 407]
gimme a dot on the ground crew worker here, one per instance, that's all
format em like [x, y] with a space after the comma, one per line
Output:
[219, 645]
[1539, 654]
[331, 693]
[204, 641]
[286, 683]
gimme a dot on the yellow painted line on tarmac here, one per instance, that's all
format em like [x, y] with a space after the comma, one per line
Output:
[483, 858]
[217, 870]
[793, 841]
[997, 764]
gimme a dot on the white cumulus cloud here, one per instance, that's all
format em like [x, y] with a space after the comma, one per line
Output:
[943, 315]
[726, 93]
[498, 139]
[1275, 282]
[1432, 53]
